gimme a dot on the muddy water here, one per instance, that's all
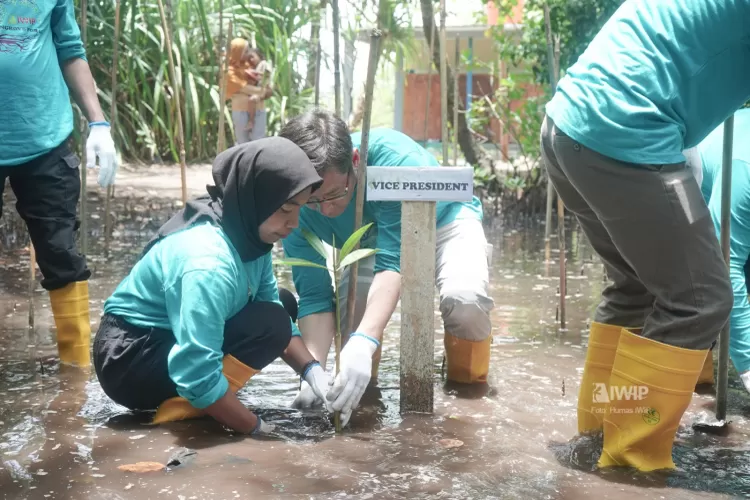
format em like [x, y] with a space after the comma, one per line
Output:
[60, 436]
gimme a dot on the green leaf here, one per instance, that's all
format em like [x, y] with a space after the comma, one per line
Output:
[353, 240]
[315, 242]
[356, 255]
[298, 262]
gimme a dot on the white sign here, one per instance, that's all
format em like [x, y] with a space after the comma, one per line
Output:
[420, 183]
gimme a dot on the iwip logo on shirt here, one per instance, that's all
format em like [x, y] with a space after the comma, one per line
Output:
[17, 28]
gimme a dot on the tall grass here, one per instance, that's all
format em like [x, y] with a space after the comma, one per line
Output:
[146, 122]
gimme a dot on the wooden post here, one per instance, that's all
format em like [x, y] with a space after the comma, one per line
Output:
[726, 198]
[443, 86]
[112, 124]
[417, 306]
[550, 189]
[176, 86]
[419, 189]
[336, 72]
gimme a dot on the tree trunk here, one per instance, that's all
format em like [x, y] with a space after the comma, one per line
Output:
[472, 152]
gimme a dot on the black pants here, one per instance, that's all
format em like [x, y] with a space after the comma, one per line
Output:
[131, 362]
[47, 191]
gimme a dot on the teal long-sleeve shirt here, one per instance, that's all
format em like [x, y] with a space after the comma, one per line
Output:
[657, 78]
[36, 38]
[387, 148]
[190, 283]
[711, 153]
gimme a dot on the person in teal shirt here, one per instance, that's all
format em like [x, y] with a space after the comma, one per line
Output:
[461, 261]
[706, 162]
[43, 62]
[200, 314]
[655, 80]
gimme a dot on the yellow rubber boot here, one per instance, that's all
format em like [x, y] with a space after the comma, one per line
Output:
[707, 373]
[467, 362]
[649, 390]
[600, 355]
[179, 408]
[70, 308]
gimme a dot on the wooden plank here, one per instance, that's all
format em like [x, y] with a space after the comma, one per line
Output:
[417, 304]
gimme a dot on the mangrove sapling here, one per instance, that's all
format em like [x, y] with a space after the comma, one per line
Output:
[341, 260]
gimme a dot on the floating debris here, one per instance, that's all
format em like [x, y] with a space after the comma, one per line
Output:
[141, 467]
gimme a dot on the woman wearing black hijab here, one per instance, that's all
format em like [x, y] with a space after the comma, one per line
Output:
[199, 314]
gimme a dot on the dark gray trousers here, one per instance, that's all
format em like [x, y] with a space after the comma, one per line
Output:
[652, 229]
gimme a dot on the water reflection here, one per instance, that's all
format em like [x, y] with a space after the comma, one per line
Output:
[61, 436]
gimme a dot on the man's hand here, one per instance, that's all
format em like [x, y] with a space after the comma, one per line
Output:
[318, 383]
[352, 380]
[100, 145]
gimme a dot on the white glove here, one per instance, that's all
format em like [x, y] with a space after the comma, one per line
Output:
[101, 145]
[262, 428]
[317, 384]
[352, 380]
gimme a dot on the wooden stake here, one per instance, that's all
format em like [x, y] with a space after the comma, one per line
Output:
[221, 140]
[429, 86]
[443, 86]
[726, 199]
[336, 72]
[553, 55]
[112, 124]
[318, 50]
[362, 171]
[221, 143]
[83, 129]
[177, 101]
[455, 100]
[32, 282]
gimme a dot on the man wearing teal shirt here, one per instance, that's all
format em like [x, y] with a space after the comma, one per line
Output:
[41, 58]
[657, 78]
[707, 161]
[461, 266]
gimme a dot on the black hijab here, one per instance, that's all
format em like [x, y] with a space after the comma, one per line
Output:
[253, 180]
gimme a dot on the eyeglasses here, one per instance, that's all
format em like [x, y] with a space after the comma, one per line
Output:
[317, 203]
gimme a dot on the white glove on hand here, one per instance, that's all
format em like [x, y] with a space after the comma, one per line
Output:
[262, 428]
[101, 145]
[317, 384]
[352, 380]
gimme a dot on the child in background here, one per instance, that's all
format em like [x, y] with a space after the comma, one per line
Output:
[246, 74]
[258, 76]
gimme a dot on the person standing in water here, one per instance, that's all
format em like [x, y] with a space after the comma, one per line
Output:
[41, 68]
[199, 313]
[655, 80]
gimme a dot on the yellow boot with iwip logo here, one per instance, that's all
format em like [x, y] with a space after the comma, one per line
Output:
[649, 390]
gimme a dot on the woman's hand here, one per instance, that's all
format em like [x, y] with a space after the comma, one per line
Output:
[229, 411]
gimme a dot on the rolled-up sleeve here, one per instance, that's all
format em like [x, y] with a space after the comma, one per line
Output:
[197, 306]
[65, 32]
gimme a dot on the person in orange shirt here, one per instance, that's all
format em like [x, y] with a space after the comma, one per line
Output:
[247, 89]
